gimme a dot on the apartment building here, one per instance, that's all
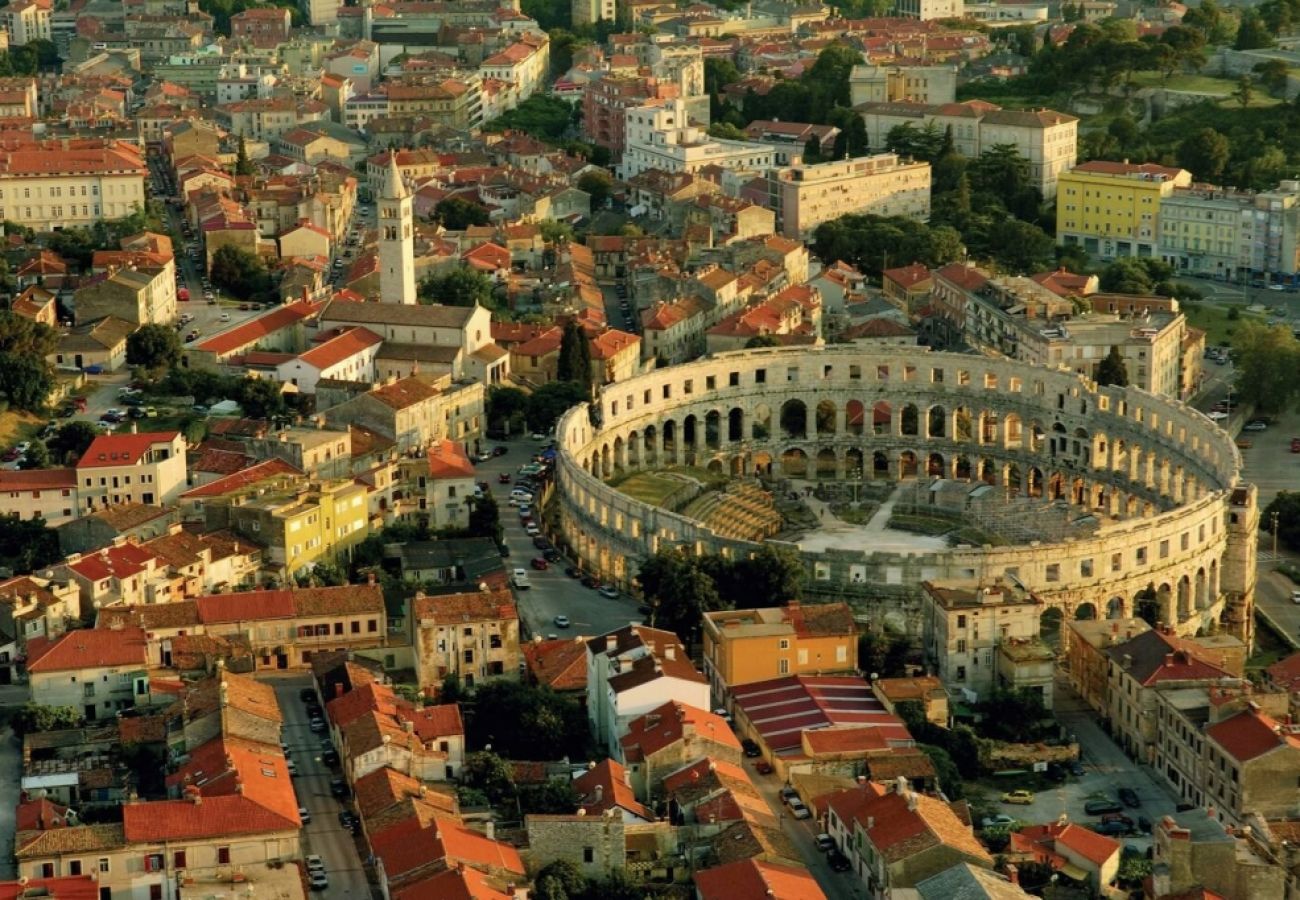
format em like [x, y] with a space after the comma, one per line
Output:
[522, 66]
[416, 411]
[633, 671]
[18, 98]
[606, 100]
[27, 21]
[303, 524]
[96, 672]
[472, 635]
[743, 646]
[589, 12]
[49, 494]
[661, 137]
[49, 185]
[1046, 138]
[147, 468]
[964, 627]
[664, 740]
[267, 118]
[1227, 234]
[135, 295]
[261, 27]
[1085, 642]
[1112, 209]
[890, 84]
[925, 10]
[805, 196]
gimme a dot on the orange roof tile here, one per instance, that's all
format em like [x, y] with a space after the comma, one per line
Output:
[605, 787]
[337, 349]
[262, 471]
[753, 879]
[122, 449]
[560, 665]
[86, 648]
[448, 460]
[1250, 734]
[652, 732]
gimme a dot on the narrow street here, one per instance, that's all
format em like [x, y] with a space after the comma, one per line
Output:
[323, 836]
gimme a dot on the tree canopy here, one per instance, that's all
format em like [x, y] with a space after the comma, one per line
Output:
[242, 274]
[574, 363]
[1112, 370]
[1267, 359]
[522, 721]
[458, 286]
[153, 347]
[457, 213]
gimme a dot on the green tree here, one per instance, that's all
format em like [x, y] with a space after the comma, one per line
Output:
[505, 407]
[34, 717]
[458, 286]
[240, 273]
[552, 400]
[25, 381]
[27, 544]
[556, 232]
[457, 213]
[485, 518]
[559, 880]
[1021, 246]
[1112, 370]
[490, 773]
[553, 797]
[883, 654]
[260, 398]
[718, 73]
[1273, 74]
[1244, 92]
[36, 457]
[544, 116]
[1267, 359]
[771, 577]
[243, 165]
[1015, 716]
[574, 363]
[523, 721]
[70, 441]
[1252, 33]
[1286, 506]
[598, 185]
[945, 770]
[1205, 154]
[153, 347]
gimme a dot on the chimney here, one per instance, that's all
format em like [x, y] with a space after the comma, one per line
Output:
[670, 652]
[911, 801]
[1169, 659]
[338, 689]
[1210, 812]
[1128, 660]
[871, 822]
[600, 793]
[611, 643]
[1013, 874]
[408, 726]
[370, 578]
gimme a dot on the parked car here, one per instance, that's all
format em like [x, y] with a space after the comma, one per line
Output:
[1129, 798]
[999, 821]
[788, 793]
[798, 810]
[837, 861]
[318, 881]
[539, 563]
[573, 572]
[1144, 825]
[1020, 797]
[561, 621]
[1117, 817]
[307, 695]
[1101, 807]
[1112, 829]
[338, 788]
[304, 815]
[1076, 768]
[532, 530]
[503, 478]
[314, 863]
[825, 842]
[751, 748]
[541, 543]
[317, 725]
[609, 592]
[330, 758]
[589, 581]
[519, 578]
[500, 451]
[762, 767]
[551, 555]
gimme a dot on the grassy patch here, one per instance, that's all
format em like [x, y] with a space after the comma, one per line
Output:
[16, 426]
[1199, 84]
[1214, 321]
[1290, 571]
[976, 537]
[1269, 647]
[920, 525]
[855, 515]
[650, 487]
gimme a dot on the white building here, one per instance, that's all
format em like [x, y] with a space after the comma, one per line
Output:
[916, 84]
[97, 672]
[661, 137]
[27, 21]
[48, 186]
[807, 195]
[632, 671]
[965, 626]
[396, 239]
[929, 9]
[348, 356]
[1220, 232]
[144, 468]
[1047, 139]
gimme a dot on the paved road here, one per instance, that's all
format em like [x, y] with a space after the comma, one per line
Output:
[553, 593]
[11, 696]
[323, 835]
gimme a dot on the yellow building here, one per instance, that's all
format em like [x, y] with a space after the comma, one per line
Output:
[743, 646]
[300, 526]
[44, 186]
[1113, 209]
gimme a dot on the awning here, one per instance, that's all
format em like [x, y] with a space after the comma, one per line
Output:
[1073, 872]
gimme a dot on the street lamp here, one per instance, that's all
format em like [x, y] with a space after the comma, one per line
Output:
[1274, 524]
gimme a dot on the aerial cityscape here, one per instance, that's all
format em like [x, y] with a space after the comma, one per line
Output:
[649, 450]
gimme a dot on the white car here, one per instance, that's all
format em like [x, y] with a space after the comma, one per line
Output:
[519, 578]
[315, 864]
[1216, 416]
[532, 530]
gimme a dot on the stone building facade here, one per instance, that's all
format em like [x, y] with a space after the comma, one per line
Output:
[1175, 526]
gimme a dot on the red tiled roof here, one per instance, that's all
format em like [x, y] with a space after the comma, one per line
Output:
[254, 330]
[650, 733]
[1249, 734]
[248, 606]
[269, 468]
[782, 709]
[560, 665]
[454, 884]
[337, 349]
[38, 815]
[908, 276]
[448, 460]
[66, 887]
[1107, 167]
[122, 449]
[113, 562]
[1286, 673]
[37, 479]
[605, 787]
[87, 648]
[408, 845]
[754, 879]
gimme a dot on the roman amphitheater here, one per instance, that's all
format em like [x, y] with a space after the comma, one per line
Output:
[884, 469]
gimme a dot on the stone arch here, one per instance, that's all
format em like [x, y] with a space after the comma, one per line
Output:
[908, 420]
[907, 464]
[1115, 608]
[879, 464]
[619, 458]
[1036, 436]
[962, 429]
[855, 417]
[1049, 626]
[1213, 584]
[606, 460]
[987, 471]
[762, 463]
[853, 463]
[827, 465]
[1184, 598]
[961, 468]
[1013, 478]
[670, 442]
[882, 416]
[1056, 486]
[794, 419]
[1085, 612]
[937, 422]
[794, 463]
[1012, 431]
[713, 429]
[634, 449]
[824, 417]
[1165, 603]
[989, 426]
[650, 445]
[691, 432]
[1034, 485]
[1078, 491]
[762, 422]
[934, 465]
[1202, 585]
[736, 425]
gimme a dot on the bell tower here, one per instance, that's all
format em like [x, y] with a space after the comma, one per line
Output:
[396, 240]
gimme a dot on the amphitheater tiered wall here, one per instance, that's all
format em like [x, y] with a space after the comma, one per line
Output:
[1160, 477]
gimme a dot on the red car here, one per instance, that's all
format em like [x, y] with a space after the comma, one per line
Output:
[539, 564]
[504, 478]
[763, 767]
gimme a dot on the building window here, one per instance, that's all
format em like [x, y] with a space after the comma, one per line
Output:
[178, 859]
[372, 625]
[103, 864]
[783, 666]
[356, 627]
[223, 853]
[588, 854]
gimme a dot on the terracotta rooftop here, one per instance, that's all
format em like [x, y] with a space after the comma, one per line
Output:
[754, 879]
[448, 609]
[604, 787]
[657, 729]
[122, 449]
[85, 648]
[1251, 734]
[560, 665]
